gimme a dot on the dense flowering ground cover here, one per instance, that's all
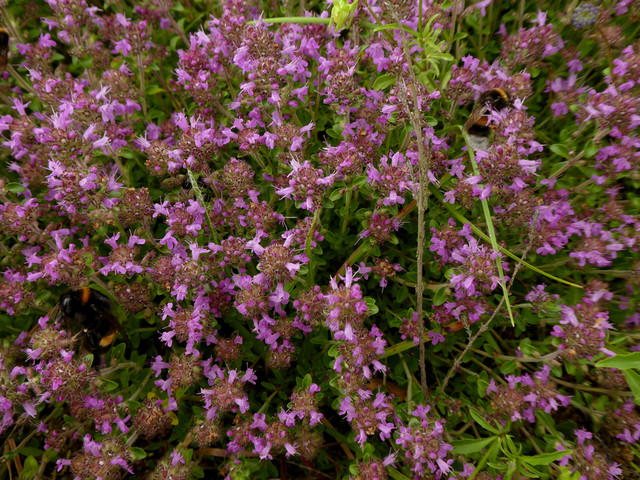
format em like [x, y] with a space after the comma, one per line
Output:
[320, 273]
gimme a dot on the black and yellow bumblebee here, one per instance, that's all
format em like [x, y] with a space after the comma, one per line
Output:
[495, 99]
[4, 47]
[90, 312]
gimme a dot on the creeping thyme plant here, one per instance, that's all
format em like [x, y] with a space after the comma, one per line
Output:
[320, 273]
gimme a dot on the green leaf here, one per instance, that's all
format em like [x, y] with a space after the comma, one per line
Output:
[306, 381]
[138, 453]
[197, 472]
[187, 454]
[393, 473]
[480, 420]
[545, 458]
[127, 153]
[43, 295]
[88, 359]
[633, 379]
[155, 90]
[482, 384]
[440, 297]
[425, 79]
[50, 455]
[117, 351]
[15, 187]
[590, 149]
[441, 56]
[110, 385]
[30, 452]
[464, 447]
[372, 308]
[336, 194]
[30, 468]
[69, 420]
[396, 26]
[508, 367]
[623, 361]
[173, 43]
[410, 277]
[384, 81]
[124, 377]
[402, 294]
[560, 150]
[398, 348]
[320, 339]
[509, 447]
[566, 474]
[431, 121]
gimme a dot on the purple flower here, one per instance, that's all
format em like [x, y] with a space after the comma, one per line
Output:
[391, 179]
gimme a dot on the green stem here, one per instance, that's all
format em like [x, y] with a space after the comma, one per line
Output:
[200, 197]
[345, 218]
[303, 20]
[308, 247]
[409, 376]
[175, 24]
[9, 23]
[124, 172]
[267, 401]
[20, 81]
[490, 229]
[461, 218]
[143, 96]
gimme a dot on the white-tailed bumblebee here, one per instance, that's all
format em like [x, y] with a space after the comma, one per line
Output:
[90, 311]
[495, 99]
[4, 47]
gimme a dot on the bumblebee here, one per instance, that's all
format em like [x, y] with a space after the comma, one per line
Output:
[90, 311]
[4, 47]
[478, 122]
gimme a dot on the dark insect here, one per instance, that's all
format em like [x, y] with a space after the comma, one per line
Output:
[4, 47]
[478, 122]
[90, 311]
